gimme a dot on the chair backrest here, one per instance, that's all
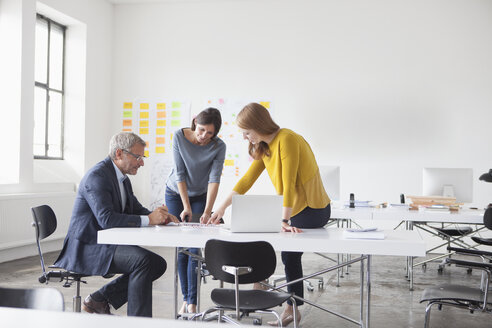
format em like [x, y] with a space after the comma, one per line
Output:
[487, 218]
[258, 255]
[36, 298]
[44, 221]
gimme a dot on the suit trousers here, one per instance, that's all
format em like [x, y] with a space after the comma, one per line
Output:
[139, 268]
[308, 218]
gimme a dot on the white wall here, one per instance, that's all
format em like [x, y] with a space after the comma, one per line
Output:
[380, 88]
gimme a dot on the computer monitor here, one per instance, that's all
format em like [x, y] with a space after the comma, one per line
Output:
[330, 175]
[449, 182]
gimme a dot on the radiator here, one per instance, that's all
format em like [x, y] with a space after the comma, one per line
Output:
[16, 230]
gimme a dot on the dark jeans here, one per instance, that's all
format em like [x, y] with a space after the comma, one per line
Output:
[140, 267]
[187, 265]
[308, 218]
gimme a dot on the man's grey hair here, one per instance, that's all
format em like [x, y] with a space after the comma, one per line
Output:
[123, 140]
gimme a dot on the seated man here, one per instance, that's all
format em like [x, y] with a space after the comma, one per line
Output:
[105, 200]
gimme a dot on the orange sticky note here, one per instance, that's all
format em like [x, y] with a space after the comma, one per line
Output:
[160, 150]
[144, 123]
[127, 122]
[144, 106]
[144, 114]
[160, 131]
[147, 144]
[127, 130]
[144, 130]
[160, 140]
[161, 114]
[161, 105]
[127, 105]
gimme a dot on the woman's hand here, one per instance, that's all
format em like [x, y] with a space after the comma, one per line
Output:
[288, 228]
[186, 215]
[205, 217]
[216, 216]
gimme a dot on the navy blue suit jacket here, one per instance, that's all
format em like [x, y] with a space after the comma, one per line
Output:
[97, 207]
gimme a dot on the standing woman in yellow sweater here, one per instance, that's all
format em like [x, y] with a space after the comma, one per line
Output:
[292, 168]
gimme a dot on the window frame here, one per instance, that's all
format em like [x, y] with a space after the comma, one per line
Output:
[47, 89]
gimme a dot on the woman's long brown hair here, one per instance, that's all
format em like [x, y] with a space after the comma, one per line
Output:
[256, 117]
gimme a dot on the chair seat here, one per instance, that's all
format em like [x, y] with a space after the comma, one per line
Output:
[461, 231]
[249, 300]
[453, 293]
[482, 241]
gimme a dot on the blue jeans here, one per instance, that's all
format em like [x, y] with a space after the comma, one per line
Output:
[187, 265]
[139, 268]
[308, 218]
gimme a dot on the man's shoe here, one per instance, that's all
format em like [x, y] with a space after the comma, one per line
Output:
[91, 306]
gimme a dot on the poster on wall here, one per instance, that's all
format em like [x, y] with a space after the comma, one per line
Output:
[156, 121]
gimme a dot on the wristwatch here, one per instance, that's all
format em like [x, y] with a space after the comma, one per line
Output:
[286, 221]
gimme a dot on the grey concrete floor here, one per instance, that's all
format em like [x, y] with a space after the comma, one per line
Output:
[392, 304]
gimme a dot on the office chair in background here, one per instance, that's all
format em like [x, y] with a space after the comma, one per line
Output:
[470, 298]
[48, 299]
[45, 225]
[243, 263]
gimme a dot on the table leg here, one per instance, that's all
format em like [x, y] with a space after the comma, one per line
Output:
[368, 294]
[175, 302]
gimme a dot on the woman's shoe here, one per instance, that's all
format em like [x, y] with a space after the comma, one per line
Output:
[184, 308]
[286, 318]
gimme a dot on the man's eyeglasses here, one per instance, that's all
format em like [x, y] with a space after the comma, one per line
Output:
[137, 157]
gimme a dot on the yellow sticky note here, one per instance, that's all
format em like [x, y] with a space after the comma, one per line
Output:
[144, 114]
[160, 131]
[265, 104]
[144, 106]
[176, 104]
[176, 113]
[127, 113]
[161, 114]
[161, 105]
[160, 140]
[229, 162]
[127, 105]
[161, 122]
[127, 122]
[144, 123]
[146, 153]
[144, 130]
[175, 123]
[160, 150]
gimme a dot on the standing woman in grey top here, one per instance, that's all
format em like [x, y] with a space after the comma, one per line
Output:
[192, 186]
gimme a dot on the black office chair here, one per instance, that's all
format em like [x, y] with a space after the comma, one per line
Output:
[243, 263]
[45, 224]
[48, 299]
[470, 298]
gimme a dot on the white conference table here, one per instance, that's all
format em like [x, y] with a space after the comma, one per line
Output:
[22, 318]
[396, 242]
[414, 218]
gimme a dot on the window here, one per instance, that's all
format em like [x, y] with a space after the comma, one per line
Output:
[48, 89]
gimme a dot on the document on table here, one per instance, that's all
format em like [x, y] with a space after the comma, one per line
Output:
[370, 233]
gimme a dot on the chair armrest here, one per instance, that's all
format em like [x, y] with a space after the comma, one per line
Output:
[467, 251]
[470, 264]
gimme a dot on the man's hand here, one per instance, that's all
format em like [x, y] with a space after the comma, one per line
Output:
[216, 216]
[161, 216]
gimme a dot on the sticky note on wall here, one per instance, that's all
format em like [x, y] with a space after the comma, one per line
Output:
[161, 114]
[176, 104]
[160, 131]
[144, 123]
[161, 106]
[160, 150]
[229, 162]
[144, 130]
[144, 114]
[161, 122]
[265, 104]
[127, 105]
[160, 140]
[144, 106]
[175, 123]
[127, 122]
[127, 113]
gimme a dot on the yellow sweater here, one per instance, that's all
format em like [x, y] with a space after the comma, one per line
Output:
[293, 171]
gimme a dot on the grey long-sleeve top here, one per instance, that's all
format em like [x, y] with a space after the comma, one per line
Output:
[196, 165]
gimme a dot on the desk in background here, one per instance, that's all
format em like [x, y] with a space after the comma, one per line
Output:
[396, 242]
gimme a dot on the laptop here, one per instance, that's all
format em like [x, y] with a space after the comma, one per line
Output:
[256, 213]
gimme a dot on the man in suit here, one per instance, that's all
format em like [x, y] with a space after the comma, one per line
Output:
[105, 200]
